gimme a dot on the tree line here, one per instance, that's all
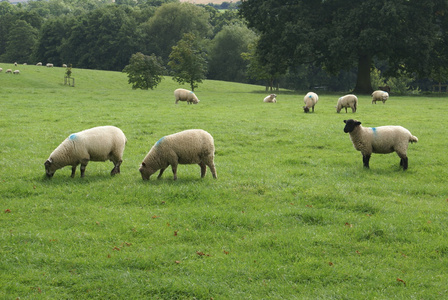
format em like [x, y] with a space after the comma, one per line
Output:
[300, 45]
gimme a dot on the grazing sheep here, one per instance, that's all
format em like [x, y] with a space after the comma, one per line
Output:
[379, 96]
[49, 65]
[194, 146]
[25, 64]
[8, 71]
[64, 65]
[185, 95]
[15, 64]
[39, 64]
[347, 101]
[16, 72]
[94, 144]
[310, 100]
[270, 99]
[383, 139]
[1, 70]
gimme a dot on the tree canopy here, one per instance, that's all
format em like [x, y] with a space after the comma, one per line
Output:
[342, 34]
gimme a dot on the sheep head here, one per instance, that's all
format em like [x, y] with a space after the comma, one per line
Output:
[350, 125]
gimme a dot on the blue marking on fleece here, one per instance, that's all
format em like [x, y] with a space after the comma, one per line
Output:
[374, 130]
[191, 92]
[310, 96]
[159, 141]
[72, 137]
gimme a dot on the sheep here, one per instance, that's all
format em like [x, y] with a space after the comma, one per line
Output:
[193, 146]
[15, 64]
[16, 72]
[64, 65]
[383, 139]
[49, 65]
[347, 101]
[185, 95]
[94, 144]
[310, 100]
[379, 96]
[270, 99]
[39, 64]
[8, 71]
[1, 70]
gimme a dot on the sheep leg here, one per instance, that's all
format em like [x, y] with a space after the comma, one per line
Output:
[174, 168]
[203, 169]
[161, 172]
[83, 169]
[212, 169]
[116, 169]
[365, 160]
[345, 109]
[313, 108]
[404, 163]
[73, 171]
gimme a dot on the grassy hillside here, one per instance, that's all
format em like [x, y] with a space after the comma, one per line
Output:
[292, 215]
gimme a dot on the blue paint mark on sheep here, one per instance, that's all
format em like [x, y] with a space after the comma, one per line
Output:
[72, 137]
[374, 130]
[159, 141]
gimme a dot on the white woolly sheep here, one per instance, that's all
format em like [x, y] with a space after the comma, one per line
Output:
[15, 64]
[1, 69]
[185, 95]
[193, 146]
[95, 144]
[8, 71]
[347, 101]
[64, 65]
[310, 100]
[16, 72]
[379, 96]
[270, 99]
[49, 65]
[39, 64]
[383, 139]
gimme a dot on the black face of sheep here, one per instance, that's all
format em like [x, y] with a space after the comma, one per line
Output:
[49, 168]
[145, 171]
[306, 109]
[350, 125]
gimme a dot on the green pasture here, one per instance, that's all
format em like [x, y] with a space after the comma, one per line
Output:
[292, 215]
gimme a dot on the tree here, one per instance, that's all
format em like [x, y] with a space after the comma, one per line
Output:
[168, 25]
[188, 62]
[21, 39]
[144, 71]
[341, 34]
[225, 61]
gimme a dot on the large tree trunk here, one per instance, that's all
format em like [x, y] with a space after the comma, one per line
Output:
[363, 84]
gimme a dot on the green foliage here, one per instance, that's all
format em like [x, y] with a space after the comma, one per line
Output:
[346, 34]
[187, 61]
[399, 85]
[21, 39]
[144, 71]
[224, 56]
[292, 215]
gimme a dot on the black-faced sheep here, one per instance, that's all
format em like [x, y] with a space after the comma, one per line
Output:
[310, 101]
[270, 98]
[94, 144]
[185, 95]
[49, 65]
[194, 146]
[379, 96]
[347, 101]
[383, 139]
[39, 64]
[9, 71]
[16, 72]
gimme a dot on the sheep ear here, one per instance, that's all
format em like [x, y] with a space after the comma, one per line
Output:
[345, 121]
[143, 164]
[357, 123]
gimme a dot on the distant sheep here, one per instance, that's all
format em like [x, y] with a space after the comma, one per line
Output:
[64, 65]
[1, 70]
[310, 101]
[185, 95]
[270, 99]
[383, 139]
[39, 64]
[194, 146]
[94, 144]
[15, 64]
[16, 72]
[379, 96]
[347, 101]
[8, 71]
[49, 65]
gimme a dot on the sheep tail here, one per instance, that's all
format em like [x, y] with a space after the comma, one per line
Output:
[413, 139]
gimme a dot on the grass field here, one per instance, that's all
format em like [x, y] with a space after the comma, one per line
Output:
[292, 215]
